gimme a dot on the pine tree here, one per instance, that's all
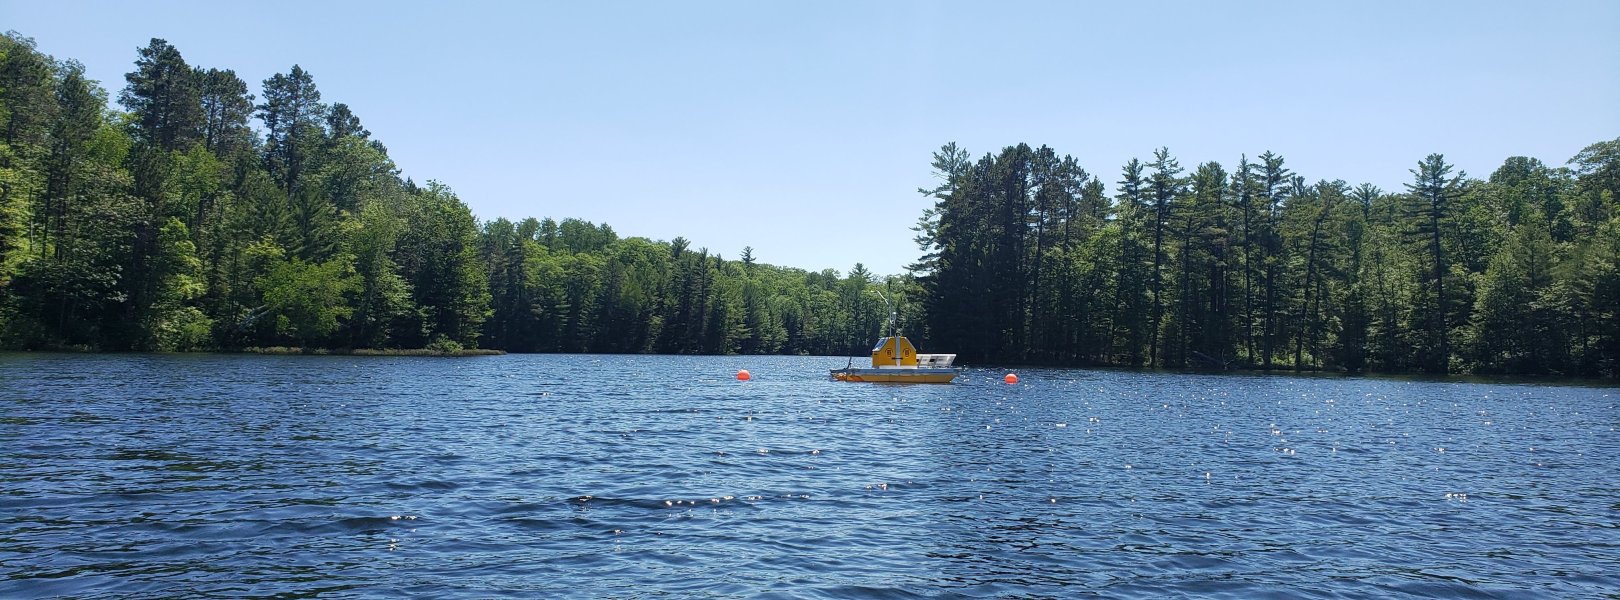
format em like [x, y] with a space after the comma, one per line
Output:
[167, 117]
[163, 95]
[1164, 187]
[292, 114]
[226, 107]
[1431, 191]
[1272, 193]
[1131, 308]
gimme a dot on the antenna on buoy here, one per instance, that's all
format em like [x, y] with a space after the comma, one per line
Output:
[894, 318]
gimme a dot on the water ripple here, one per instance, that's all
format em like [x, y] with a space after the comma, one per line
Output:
[535, 476]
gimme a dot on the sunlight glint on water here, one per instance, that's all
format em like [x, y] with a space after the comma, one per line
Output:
[624, 476]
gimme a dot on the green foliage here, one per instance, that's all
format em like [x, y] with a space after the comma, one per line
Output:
[385, 296]
[177, 324]
[307, 300]
[437, 254]
[1590, 293]
[442, 345]
[226, 106]
[163, 95]
[27, 107]
[292, 120]
[1257, 268]
[168, 227]
[1598, 168]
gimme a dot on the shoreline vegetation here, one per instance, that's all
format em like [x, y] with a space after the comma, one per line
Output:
[444, 352]
[294, 350]
[196, 214]
[1482, 378]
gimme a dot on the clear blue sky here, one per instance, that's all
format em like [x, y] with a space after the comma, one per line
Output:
[803, 129]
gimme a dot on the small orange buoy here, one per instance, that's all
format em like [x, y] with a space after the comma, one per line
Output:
[743, 375]
[1011, 378]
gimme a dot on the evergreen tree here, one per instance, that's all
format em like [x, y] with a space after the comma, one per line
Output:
[1516, 326]
[1245, 185]
[167, 119]
[1203, 323]
[226, 107]
[292, 114]
[1165, 186]
[437, 254]
[1432, 190]
[170, 228]
[1131, 306]
[163, 95]
[1272, 193]
[78, 118]
[26, 107]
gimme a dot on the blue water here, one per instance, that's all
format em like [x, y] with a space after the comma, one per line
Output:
[648, 477]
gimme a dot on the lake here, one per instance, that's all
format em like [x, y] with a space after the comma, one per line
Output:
[654, 476]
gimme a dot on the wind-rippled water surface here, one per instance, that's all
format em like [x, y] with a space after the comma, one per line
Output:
[641, 477]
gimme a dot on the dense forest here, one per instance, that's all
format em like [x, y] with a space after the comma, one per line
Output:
[178, 223]
[1031, 262]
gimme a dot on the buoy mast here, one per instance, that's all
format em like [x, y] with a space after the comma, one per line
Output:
[894, 324]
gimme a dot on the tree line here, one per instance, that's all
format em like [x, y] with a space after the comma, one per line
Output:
[176, 224]
[202, 216]
[1028, 260]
